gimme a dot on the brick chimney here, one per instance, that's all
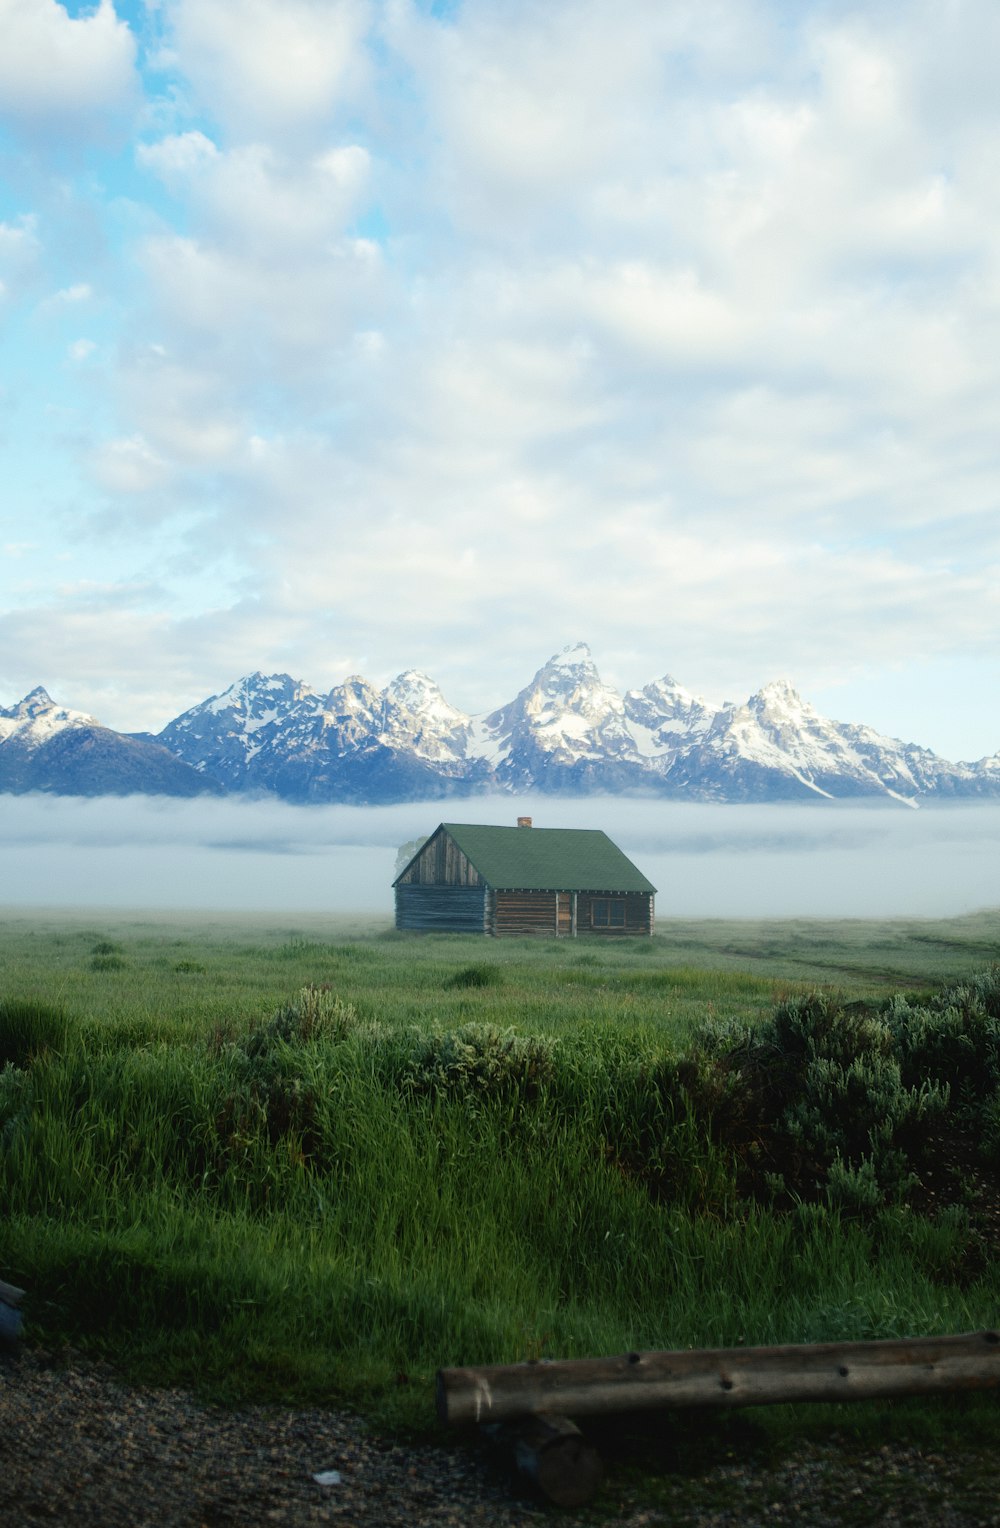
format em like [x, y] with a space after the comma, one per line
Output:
[524, 822]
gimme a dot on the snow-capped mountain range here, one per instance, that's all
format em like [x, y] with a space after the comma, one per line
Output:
[566, 733]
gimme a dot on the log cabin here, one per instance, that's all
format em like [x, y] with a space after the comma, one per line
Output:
[563, 882]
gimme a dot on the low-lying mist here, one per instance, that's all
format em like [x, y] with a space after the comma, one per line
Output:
[707, 861]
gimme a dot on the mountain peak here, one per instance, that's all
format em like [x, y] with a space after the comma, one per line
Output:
[779, 689]
[576, 655]
[35, 703]
[39, 708]
[257, 693]
[413, 685]
[664, 711]
[779, 698]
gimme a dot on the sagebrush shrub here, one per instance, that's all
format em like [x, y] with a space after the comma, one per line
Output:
[315, 1013]
[479, 1061]
[274, 1096]
[823, 1095]
[953, 1039]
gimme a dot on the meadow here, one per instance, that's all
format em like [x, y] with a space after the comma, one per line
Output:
[316, 1160]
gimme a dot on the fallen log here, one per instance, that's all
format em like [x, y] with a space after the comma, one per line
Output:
[10, 1314]
[832, 1371]
[552, 1453]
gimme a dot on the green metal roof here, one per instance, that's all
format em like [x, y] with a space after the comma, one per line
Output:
[547, 859]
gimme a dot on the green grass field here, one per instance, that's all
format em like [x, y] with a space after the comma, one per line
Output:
[298, 1158]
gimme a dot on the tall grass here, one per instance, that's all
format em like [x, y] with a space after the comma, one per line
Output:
[313, 1165]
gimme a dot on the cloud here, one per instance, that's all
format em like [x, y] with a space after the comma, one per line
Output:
[20, 257]
[62, 73]
[255, 196]
[679, 335]
[270, 281]
[262, 69]
[178, 157]
[536, 113]
[128, 466]
[69, 297]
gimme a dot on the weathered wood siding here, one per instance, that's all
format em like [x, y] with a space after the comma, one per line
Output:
[526, 912]
[458, 909]
[441, 863]
[551, 913]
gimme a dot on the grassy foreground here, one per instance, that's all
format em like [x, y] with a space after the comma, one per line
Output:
[290, 1159]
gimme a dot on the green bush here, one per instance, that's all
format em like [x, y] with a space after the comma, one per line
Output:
[315, 1014]
[479, 1062]
[953, 1039]
[271, 1090]
[824, 1103]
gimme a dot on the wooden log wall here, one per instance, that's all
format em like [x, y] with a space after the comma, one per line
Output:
[526, 912]
[461, 909]
[518, 913]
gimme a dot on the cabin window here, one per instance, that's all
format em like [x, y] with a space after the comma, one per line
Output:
[607, 912]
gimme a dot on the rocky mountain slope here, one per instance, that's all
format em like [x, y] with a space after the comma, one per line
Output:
[566, 732]
[45, 747]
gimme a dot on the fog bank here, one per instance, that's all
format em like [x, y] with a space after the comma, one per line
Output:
[707, 861]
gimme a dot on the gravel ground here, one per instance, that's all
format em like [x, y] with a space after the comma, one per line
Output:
[79, 1446]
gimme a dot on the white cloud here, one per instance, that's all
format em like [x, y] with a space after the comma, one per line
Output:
[128, 466]
[178, 156]
[533, 111]
[268, 324]
[669, 335]
[262, 69]
[258, 201]
[68, 297]
[60, 72]
[20, 255]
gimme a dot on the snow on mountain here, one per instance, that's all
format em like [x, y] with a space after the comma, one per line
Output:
[418, 716]
[563, 727]
[777, 746]
[46, 747]
[566, 731]
[356, 743]
[664, 714]
[222, 736]
[36, 718]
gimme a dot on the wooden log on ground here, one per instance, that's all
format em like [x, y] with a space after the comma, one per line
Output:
[833, 1371]
[10, 1314]
[554, 1455]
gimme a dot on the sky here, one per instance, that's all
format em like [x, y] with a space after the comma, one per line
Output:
[349, 336]
[706, 861]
